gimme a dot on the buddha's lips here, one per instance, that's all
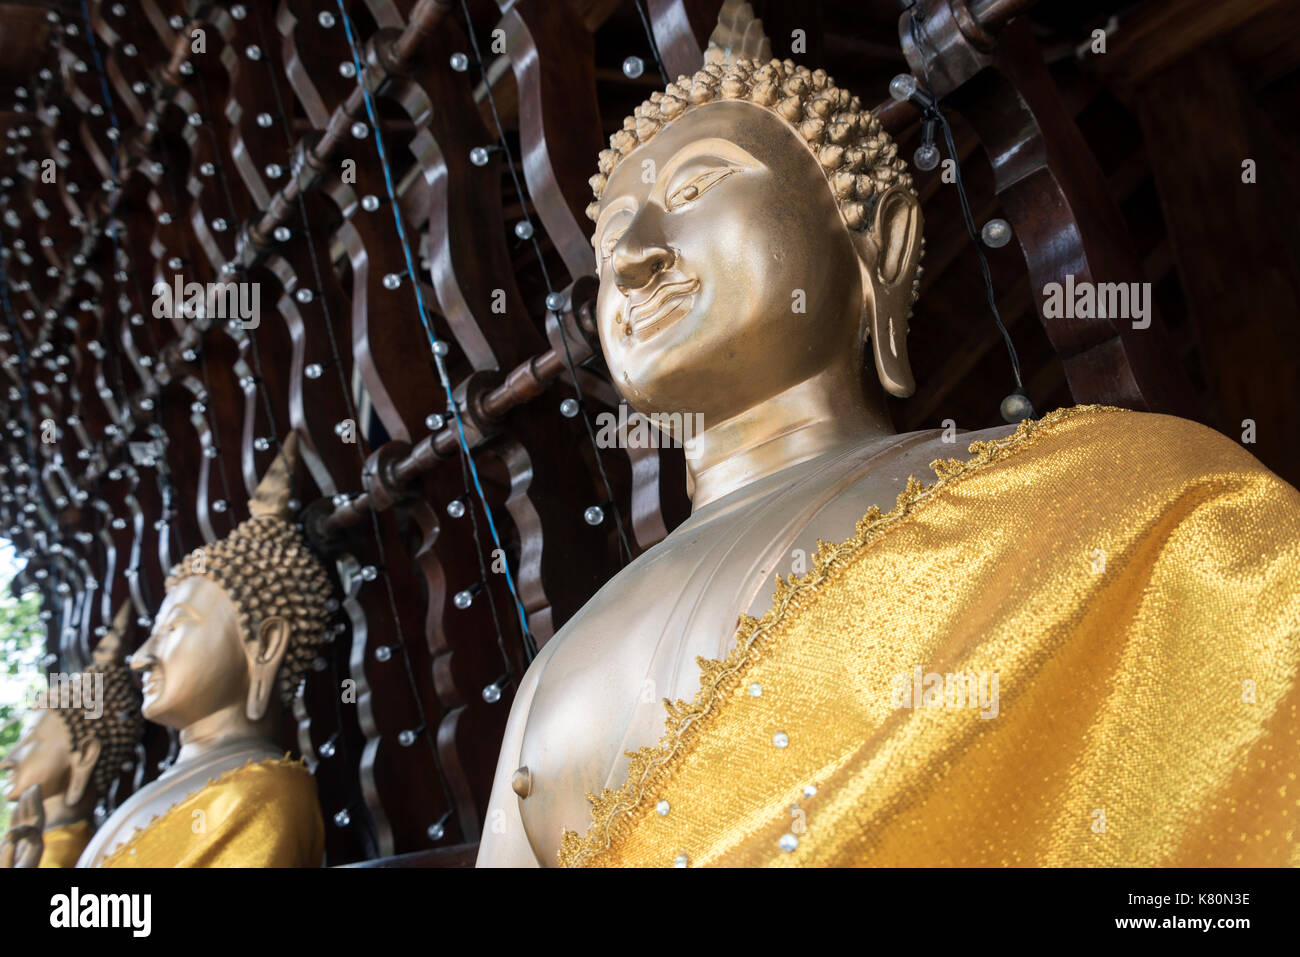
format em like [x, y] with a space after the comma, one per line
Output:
[649, 314]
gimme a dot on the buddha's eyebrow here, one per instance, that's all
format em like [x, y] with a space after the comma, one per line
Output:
[181, 610]
[723, 152]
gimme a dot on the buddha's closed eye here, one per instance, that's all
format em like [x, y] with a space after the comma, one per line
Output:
[697, 186]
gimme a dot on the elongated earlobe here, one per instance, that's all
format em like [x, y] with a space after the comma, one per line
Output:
[84, 760]
[889, 252]
[265, 654]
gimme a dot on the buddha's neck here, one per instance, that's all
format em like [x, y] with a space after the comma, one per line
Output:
[227, 727]
[59, 814]
[814, 417]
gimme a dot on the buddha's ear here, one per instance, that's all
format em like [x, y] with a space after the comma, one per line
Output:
[889, 250]
[84, 759]
[265, 653]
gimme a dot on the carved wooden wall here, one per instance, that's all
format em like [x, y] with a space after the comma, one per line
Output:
[250, 157]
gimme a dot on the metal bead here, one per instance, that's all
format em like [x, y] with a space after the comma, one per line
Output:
[662, 808]
[594, 515]
[325, 19]
[633, 67]
[996, 233]
[1016, 407]
[383, 653]
[788, 843]
[479, 156]
[569, 408]
[347, 69]
[359, 130]
[313, 371]
[456, 508]
[463, 599]
[434, 422]
[253, 51]
[492, 693]
[436, 832]
[524, 229]
[902, 86]
[343, 818]
[926, 157]
[555, 301]
[274, 171]
[219, 505]
[459, 62]
[264, 120]
[780, 740]
[303, 295]
[281, 234]
[392, 280]
[369, 203]
[755, 690]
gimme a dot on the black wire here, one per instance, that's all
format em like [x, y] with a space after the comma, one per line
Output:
[968, 217]
[654, 46]
[624, 546]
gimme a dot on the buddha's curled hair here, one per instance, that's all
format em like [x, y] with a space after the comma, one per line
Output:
[118, 728]
[267, 568]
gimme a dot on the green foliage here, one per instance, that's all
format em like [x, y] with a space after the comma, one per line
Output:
[22, 641]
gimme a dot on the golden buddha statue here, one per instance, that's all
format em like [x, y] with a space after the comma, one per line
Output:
[240, 625]
[1075, 645]
[67, 760]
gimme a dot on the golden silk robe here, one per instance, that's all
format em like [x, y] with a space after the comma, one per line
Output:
[64, 844]
[1079, 648]
[263, 814]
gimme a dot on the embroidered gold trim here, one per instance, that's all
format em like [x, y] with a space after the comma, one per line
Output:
[614, 811]
[123, 849]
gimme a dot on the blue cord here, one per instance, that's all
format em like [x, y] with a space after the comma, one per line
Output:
[424, 319]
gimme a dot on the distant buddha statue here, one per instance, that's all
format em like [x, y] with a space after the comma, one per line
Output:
[66, 762]
[239, 627]
[1076, 644]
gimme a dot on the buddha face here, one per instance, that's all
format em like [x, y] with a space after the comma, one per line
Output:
[193, 664]
[43, 755]
[726, 273]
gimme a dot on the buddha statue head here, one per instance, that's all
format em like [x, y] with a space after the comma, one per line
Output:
[241, 621]
[755, 229]
[73, 749]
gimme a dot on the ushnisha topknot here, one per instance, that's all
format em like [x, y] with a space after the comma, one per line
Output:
[859, 159]
[120, 725]
[267, 568]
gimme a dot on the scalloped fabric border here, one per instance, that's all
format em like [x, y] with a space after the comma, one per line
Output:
[614, 811]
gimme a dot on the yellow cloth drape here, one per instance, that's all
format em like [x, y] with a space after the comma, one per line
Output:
[1132, 584]
[64, 844]
[264, 814]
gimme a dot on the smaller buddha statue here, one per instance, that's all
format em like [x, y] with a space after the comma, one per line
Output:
[67, 760]
[239, 626]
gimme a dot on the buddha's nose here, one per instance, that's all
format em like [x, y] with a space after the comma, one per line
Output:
[637, 264]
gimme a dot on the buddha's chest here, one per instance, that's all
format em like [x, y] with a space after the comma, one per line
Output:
[637, 642]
